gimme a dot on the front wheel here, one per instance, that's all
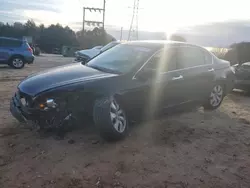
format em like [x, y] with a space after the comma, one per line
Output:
[110, 118]
[215, 98]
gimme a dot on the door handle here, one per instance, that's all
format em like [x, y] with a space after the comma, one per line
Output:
[177, 78]
[211, 70]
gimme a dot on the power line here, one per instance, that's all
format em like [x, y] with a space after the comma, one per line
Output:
[94, 22]
[134, 26]
[137, 20]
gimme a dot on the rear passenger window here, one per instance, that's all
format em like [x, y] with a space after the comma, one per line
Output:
[163, 61]
[190, 57]
[208, 58]
[11, 43]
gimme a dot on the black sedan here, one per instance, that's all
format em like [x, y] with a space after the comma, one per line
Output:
[133, 77]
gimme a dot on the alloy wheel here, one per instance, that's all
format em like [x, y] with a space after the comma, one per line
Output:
[118, 117]
[17, 62]
[216, 96]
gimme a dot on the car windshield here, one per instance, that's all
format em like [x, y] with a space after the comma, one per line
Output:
[120, 59]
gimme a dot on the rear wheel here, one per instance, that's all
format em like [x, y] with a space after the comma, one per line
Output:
[215, 98]
[110, 118]
[16, 62]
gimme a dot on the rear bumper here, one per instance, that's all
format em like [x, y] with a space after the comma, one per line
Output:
[29, 60]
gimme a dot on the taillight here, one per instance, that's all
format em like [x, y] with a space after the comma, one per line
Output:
[30, 49]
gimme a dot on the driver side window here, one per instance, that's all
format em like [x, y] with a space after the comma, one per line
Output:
[163, 61]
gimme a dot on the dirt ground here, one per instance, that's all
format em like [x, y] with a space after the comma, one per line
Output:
[184, 150]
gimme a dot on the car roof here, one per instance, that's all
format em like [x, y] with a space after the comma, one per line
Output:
[9, 38]
[160, 43]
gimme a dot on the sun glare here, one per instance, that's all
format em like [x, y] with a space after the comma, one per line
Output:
[154, 16]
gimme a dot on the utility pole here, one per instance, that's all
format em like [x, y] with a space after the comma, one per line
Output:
[132, 20]
[90, 22]
[137, 18]
[132, 26]
[103, 16]
[121, 33]
[83, 21]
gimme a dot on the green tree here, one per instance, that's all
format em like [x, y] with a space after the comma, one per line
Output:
[55, 36]
[93, 38]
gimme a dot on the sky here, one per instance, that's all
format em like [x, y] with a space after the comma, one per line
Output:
[154, 15]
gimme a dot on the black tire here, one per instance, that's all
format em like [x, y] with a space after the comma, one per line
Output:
[102, 119]
[209, 105]
[13, 62]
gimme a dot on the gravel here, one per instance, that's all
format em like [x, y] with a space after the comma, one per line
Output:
[191, 149]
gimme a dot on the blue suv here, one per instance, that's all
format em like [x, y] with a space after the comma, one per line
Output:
[15, 52]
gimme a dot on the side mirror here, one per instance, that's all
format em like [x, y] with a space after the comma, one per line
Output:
[84, 62]
[146, 74]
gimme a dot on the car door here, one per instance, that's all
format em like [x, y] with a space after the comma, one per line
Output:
[4, 50]
[165, 87]
[194, 64]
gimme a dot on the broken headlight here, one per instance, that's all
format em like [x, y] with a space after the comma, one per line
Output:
[49, 103]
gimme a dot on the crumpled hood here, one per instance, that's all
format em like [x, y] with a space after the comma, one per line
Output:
[90, 52]
[59, 76]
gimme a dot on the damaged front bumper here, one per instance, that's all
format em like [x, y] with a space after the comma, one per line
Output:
[20, 109]
[16, 112]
